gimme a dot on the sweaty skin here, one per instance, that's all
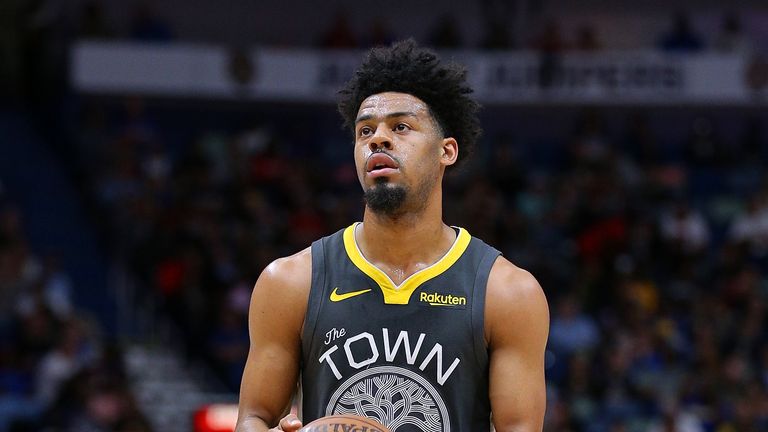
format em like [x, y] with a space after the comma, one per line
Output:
[400, 244]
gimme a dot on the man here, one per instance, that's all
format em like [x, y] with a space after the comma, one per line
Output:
[400, 318]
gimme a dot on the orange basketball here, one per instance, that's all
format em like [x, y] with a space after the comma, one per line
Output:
[344, 423]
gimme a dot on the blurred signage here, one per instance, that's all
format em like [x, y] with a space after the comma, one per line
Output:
[215, 418]
[511, 78]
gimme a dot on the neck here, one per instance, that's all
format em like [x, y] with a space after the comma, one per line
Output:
[408, 242]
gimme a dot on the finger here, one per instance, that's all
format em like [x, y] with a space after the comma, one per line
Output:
[290, 423]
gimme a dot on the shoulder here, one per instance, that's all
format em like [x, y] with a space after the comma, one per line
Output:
[508, 280]
[514, 300]
[291, 270]
[287, 276]
[282, 289]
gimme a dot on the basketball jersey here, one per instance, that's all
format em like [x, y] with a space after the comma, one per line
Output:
[411, 356]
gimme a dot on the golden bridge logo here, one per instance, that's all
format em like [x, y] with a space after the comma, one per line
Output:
[448, 300]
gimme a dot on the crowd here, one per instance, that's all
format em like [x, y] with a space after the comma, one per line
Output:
[653, 253]
[58, 372]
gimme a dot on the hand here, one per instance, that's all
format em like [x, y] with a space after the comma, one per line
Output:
[289, 423]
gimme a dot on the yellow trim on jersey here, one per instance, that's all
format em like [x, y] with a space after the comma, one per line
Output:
[401, 294]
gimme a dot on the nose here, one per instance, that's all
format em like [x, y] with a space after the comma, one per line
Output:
[381, 139]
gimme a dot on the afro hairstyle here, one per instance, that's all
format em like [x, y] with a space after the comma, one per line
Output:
[407, 68]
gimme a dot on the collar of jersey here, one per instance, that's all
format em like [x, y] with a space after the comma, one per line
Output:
[401, 294]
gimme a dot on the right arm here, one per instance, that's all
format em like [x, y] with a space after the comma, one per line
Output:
[275, 321]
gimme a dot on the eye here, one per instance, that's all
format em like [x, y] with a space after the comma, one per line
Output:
[401, 127]
[365, 131]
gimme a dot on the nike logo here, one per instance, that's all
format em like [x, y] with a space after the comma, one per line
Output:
[336, 297]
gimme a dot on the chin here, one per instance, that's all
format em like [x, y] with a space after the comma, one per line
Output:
[385, 198]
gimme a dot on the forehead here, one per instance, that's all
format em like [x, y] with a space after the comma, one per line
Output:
[381, 104]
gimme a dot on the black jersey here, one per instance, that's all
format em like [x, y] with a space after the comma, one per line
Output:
[411, 356]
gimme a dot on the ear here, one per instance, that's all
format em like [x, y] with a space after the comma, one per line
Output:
[449, 151]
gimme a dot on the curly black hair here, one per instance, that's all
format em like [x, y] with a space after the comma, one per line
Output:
[407, 68]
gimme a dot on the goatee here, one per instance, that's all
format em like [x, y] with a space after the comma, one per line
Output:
[384, 198]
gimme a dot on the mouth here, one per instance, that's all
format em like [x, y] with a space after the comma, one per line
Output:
[381, 164]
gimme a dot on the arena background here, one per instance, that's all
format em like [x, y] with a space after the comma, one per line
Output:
[155, 156]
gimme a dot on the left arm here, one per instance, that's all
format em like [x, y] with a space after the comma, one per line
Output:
[516, 329]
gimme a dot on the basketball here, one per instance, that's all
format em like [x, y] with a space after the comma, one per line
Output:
[344, 423]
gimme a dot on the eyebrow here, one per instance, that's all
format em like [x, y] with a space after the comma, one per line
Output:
[390, 115]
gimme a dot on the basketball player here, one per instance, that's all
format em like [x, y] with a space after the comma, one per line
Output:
[400, 318]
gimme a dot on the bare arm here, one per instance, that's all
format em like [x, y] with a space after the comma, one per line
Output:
[517, 327]
[275, 320]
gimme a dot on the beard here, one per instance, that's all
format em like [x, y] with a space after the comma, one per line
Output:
[393, 200]
[385, 199]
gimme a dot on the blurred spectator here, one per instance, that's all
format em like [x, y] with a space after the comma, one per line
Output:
[753, 146]
[380, 34]
[550, 40]
[571, 330]
[340, 34]
[590, 143]
[229, 344]
[498, 17]
[93, 22]
[732, 38]
[133, 423]
[703, 148]
[70, 354]
[17, 403]
[681, 37]
[148, 26]
[52, 289]
[445, 33]
[497, 35]
[11, 46]
[677, 420]
[750, 227]
[19, 269]
[106, 405]
[587, 39]
[641, 143]
[44, 48]
[550, 45]
[684, 229]
[505, 165]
